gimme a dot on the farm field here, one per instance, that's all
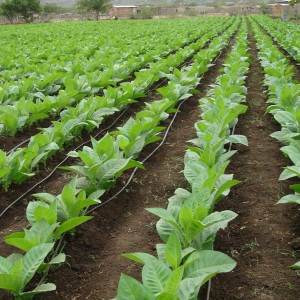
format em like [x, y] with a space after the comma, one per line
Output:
[174, 140]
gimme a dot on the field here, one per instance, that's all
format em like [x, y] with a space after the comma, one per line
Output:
[174, 142]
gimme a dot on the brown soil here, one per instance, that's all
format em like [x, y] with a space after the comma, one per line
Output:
[260, 237]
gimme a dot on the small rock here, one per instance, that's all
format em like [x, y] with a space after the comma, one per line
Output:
[87, 242]
[75, 267]
[295, 243]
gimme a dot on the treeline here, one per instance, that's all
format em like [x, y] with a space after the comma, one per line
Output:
[26, 9]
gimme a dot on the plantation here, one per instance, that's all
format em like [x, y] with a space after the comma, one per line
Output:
[152, 159]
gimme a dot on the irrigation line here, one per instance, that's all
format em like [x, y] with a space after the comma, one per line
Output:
[143, 161]
[58, 165]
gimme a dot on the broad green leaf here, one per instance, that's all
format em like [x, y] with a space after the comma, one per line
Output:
[173, 283]
[131, 289]
[33, 259]
[155, 275]
[295, 199]
[173, 250]
[207, 263]
[11, 282]
[42, 288]
[70, 224]
[139, 257]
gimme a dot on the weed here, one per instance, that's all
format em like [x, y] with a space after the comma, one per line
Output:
[250, 246]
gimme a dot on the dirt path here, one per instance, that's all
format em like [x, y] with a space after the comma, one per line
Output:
[123, 225]
[259, 239]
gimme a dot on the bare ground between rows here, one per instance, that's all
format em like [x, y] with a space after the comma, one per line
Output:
[95, 261]
[260, 238]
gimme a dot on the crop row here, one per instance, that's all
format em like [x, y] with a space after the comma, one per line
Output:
[89, 113]
[284, 100]
[52, 216]
[186, 261]
[286, 34]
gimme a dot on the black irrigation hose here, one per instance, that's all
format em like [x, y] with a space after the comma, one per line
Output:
[144, 160]
[58, 165]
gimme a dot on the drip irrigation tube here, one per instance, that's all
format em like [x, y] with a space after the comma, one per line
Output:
[143, 161]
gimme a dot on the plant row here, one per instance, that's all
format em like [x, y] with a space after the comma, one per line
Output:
[284, 101]
[186, 259]
[33, 99]
[52, 216]
[286, 34]
[88, 114]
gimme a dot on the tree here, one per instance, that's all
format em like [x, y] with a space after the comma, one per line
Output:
[96, 6]
[7, 9]
[293, 2]
[27, 8]
[50, 8]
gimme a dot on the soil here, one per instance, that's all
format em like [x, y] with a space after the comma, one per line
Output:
[260, 238]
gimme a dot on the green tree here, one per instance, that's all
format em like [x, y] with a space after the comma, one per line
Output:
[27, 8]
[96, 6]
[264, 8]
[50, 8]
[293, 2]
[7, 9]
